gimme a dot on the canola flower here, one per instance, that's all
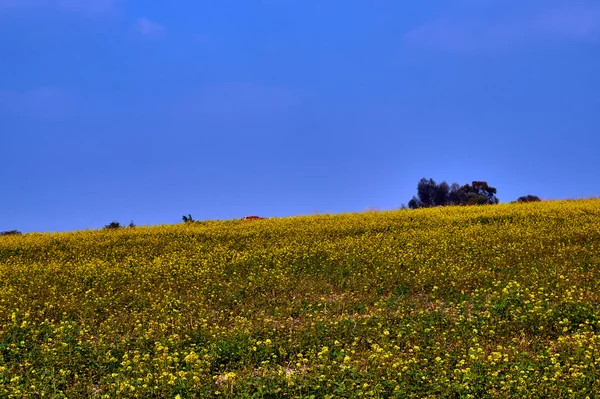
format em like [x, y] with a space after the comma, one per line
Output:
[458, 302]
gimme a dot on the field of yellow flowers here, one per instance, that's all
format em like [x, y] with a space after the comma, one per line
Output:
[456, 302]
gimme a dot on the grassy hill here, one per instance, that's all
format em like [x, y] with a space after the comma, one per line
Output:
[457, 302]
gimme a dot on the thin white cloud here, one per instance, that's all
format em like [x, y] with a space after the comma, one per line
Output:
[88, 7]
[146, 27]
[470, 32]
[43, 102]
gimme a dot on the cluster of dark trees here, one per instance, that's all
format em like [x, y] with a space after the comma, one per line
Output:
[430, 194]
[10, 233]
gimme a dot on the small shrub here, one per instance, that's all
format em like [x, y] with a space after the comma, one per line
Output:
[529, 198]
[113, 225]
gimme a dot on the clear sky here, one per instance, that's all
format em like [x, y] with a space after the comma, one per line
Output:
[148, 110]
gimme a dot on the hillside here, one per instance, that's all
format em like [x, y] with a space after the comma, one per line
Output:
[454, 302]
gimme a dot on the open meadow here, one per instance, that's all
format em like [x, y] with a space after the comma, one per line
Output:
[456, 302]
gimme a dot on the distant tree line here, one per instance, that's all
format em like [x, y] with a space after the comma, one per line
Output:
[10, 233]
[116, 225]
[430, 194]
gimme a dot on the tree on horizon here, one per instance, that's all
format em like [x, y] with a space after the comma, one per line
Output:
[430, 194]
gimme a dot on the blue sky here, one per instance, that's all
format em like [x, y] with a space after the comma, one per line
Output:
[145, 111]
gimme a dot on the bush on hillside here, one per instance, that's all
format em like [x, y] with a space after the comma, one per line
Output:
[113, 225]
[529, 198]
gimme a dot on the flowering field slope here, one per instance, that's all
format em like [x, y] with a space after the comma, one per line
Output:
[458, 302]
